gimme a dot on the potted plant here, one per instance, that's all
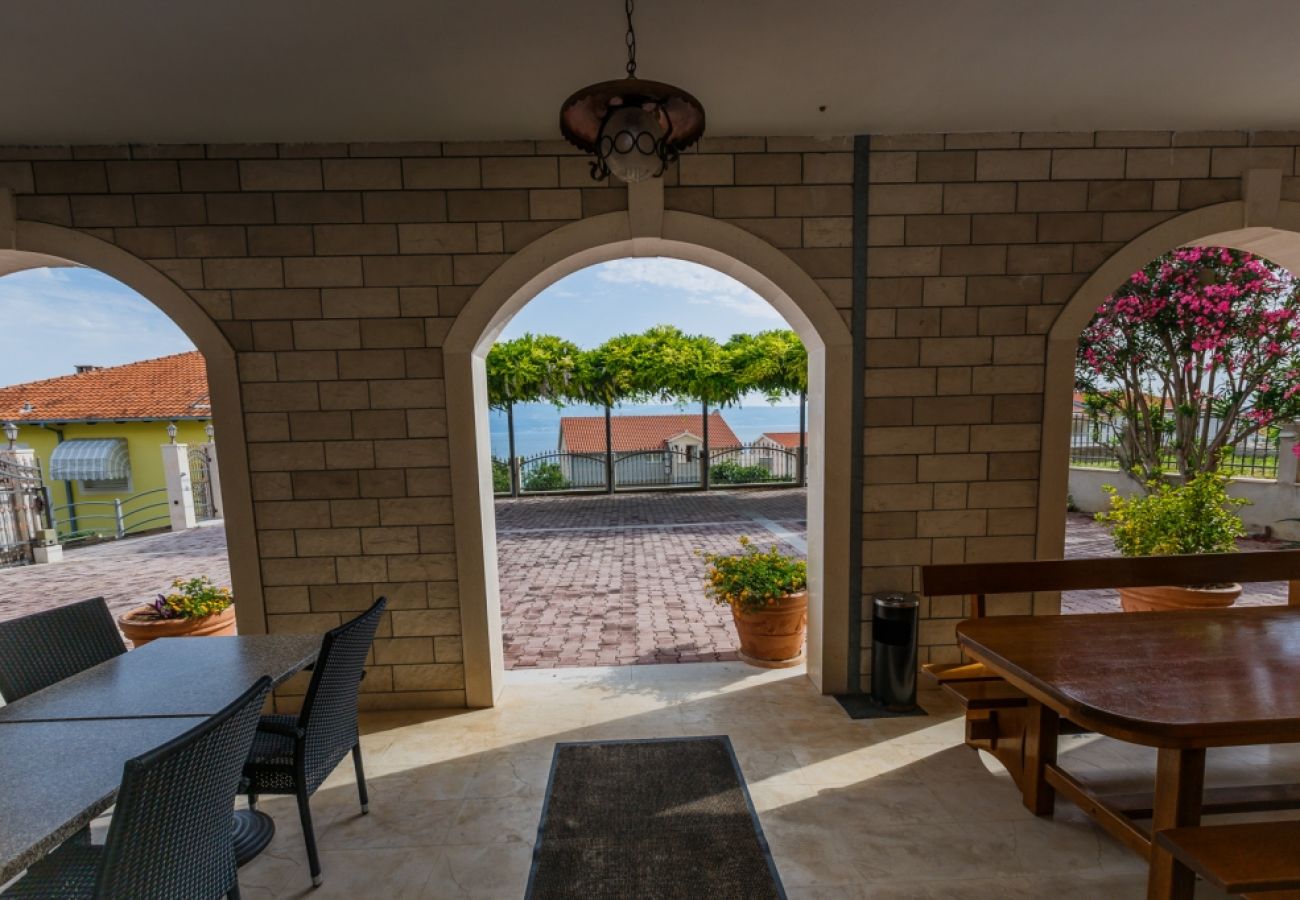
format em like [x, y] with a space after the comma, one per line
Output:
[768, 596]
[1194, 517]
[194, 608]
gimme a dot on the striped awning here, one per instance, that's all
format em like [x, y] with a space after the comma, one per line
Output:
[100, 459]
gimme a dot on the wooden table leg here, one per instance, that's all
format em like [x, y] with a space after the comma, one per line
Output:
[1042, 732]
[1180, 783]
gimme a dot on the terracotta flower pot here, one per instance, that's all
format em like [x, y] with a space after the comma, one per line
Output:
[1171, 597]
[140, 629]
[773, 637]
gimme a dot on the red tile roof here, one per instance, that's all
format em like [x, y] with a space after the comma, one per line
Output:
[586, 434]
[171, 387]
[787, 439]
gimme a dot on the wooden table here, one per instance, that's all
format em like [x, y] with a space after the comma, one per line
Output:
[62, 748]
[1180, 682]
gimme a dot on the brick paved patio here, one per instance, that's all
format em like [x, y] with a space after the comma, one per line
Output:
[125, 573]
[584, 580]
[1085, 537]
[614, 580]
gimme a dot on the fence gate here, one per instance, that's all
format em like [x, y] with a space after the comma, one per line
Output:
[22, 511]
[201, 482]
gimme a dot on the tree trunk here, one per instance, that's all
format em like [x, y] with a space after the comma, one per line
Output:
[801, 464]
[704, 449]
[513, 464]
[609, 452]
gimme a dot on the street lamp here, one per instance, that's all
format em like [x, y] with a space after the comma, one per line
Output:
[11, 433]
[171, 432]
[208, 430]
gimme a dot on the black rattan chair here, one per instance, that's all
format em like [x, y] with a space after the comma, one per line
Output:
[172, 832]
[294, 754]
[45, 647]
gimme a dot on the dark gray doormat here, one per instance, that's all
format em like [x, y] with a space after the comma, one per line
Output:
[865, 706]
[663, 819]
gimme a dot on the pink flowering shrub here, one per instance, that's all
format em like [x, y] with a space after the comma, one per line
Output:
[1195, 353]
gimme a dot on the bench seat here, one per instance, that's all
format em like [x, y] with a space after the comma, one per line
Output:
[1255, 858]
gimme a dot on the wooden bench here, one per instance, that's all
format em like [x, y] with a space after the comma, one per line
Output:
[1256, 858]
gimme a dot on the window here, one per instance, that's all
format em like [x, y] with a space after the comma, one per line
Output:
[105, 485]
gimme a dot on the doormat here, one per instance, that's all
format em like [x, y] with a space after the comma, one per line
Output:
[864, 706]
[668, 819]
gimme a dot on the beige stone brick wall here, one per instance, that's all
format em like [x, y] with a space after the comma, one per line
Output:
[335, 271]
[975, 243]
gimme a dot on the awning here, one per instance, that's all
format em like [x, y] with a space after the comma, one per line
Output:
[100, 459]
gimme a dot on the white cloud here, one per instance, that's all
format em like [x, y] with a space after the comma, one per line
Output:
[74, 315]
[702, 285]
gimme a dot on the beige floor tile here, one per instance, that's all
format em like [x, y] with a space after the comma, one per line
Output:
[881, 809]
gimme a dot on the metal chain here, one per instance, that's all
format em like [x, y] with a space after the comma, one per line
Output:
[631, 41]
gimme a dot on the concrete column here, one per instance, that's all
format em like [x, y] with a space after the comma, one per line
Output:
[1287, 464]
[214, 480]
[180, 497]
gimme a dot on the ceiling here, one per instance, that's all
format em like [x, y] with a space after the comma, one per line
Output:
[86, 71]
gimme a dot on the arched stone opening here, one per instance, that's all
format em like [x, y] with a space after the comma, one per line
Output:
[36, 245]
[648, 230]
[1220, 225]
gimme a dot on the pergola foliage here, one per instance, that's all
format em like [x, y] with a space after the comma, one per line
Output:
[662, 363]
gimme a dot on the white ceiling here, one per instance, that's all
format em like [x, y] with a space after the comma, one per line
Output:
[85, 71]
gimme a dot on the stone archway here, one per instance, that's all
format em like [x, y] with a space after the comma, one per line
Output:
[649, 230]
[1273, 233]
[28, 245]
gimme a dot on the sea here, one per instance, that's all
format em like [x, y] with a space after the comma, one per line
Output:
[537, 425]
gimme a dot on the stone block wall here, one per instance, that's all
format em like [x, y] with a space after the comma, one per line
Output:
[335, 272]
[976, 241]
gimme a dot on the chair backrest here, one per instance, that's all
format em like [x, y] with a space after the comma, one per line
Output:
[329, 711]
[45, 647]
[172, 832]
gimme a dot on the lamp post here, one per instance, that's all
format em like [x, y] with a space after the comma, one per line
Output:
[11, 434]
[171, 432]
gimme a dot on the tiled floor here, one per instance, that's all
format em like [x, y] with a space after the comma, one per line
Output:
[853, 809]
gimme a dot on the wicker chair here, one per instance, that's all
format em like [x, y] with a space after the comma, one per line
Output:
[40, 649]
[172, 832]
[294, 754]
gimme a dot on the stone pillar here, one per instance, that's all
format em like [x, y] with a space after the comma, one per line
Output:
[1287, 464]
[214, 481]
[180, 497]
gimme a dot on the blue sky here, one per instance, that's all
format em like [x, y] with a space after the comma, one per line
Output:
[631, 295]
[63, 317]
[58, 318]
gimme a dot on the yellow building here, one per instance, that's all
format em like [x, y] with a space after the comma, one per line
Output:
[97, 435]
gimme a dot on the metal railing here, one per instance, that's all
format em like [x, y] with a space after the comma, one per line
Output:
[1093, 442]
[116, 518]
[663, 469]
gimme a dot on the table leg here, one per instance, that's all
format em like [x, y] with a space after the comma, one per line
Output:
[1180, 783]
[1042, 733]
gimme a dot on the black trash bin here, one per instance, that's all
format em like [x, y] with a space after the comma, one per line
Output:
[894, 618]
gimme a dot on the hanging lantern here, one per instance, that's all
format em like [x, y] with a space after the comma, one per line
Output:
[633, 128]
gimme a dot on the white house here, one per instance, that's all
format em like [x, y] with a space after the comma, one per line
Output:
[648, 450]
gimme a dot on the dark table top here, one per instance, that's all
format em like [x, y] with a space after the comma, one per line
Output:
[58, 776]
[169, 677]
[1185, 679]
[62, 748]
